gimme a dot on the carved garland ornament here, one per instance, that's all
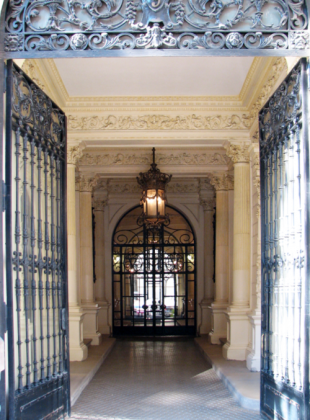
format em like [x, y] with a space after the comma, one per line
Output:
[145, 159]
[45, 25]
[159, 122]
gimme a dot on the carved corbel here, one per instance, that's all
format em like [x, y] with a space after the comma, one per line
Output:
[88, 182]
[74, 153]
[208, 204]
[99, 204]
[222, 181]
[238, 152]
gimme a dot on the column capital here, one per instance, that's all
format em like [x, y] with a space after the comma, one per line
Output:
[74, 153]
[222, 181]
[88, 182]
[207, 204]
[238, 152]
[99, 204]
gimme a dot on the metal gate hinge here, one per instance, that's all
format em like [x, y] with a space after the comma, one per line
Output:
[3, 196]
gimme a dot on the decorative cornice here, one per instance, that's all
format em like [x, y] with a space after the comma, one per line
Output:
[239, 153]
[278, 67]
[31, 70]
[74, 153]
[88, 182]
[222, 181]
[158, 122]
[207, 204]
[183, 158]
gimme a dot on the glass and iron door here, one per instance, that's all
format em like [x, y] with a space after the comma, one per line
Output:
[153, 277]
[35, 240]
[285, 198]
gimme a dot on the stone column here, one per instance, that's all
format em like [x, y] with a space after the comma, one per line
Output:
[208, 207]
[219, 306]
[238, 322]
[78, 350]
[87, 182]
[254, 357]
[100, 298]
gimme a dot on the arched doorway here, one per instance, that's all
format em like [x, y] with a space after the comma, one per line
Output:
[154, 277]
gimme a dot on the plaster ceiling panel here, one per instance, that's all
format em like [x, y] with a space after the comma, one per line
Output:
[154, 76]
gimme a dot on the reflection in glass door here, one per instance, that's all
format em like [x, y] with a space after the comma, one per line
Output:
[153, 277]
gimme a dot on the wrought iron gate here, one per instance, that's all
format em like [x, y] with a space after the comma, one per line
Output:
[154, 277]
[285, 193]
[35, 177]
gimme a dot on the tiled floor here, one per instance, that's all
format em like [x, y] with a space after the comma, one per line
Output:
[157, 379]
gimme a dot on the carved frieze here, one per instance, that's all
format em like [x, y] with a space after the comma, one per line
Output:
[184, 158]
[183, 187]
[124, 187]
[238, 152]
[158, 122]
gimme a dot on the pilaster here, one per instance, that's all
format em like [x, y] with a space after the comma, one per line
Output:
[91, 309]
[99, 204]
[78, 350]
[253, 360]
[208, 205]
[222, 183]
[237, 318]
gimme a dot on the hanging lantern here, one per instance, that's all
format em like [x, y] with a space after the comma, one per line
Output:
[153, 198]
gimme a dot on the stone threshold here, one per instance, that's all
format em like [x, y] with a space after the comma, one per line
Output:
[81, 373]
[243, 384]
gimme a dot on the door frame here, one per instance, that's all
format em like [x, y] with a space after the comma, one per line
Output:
[135, 331]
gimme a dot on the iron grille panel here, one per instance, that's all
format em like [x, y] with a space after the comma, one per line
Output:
[285, 346]
[33, 26]
[36, 229]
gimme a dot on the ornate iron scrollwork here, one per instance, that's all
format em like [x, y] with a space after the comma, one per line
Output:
[58, 25]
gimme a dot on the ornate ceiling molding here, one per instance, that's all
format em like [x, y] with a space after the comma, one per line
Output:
[278, 67]
[182, 158]
[158, 122]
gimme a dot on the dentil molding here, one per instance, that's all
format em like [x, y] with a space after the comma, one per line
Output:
[183, 158]
[158, 122]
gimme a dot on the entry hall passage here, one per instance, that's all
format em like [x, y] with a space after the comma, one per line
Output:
[157, 379]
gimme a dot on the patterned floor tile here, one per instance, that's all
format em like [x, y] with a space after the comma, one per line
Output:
[157, 379]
